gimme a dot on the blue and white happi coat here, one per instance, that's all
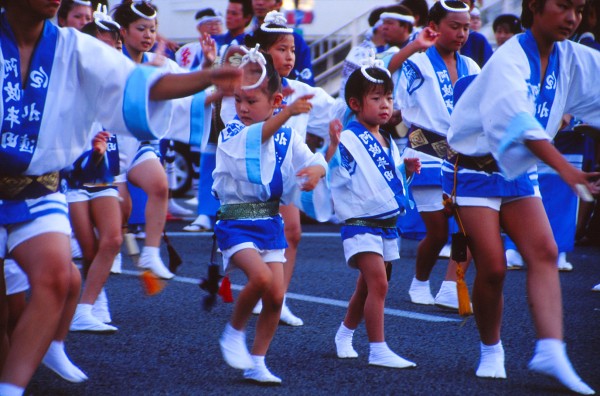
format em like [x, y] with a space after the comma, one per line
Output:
[509, 103]
[360, 176]
[74, 80]
[250, 171]
[424, 95]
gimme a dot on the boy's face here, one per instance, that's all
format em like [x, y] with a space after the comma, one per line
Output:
[453, 29]
[234, 18]
[558, 19]
[394, 32]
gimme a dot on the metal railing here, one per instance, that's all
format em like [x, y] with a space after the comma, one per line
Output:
[328, 52]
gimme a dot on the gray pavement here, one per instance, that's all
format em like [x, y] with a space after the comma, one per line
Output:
[168, 345]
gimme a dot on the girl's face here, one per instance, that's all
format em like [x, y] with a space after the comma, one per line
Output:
[558, 19]
[78, 17]
[502, 34]
[254, 105]
[375, 108]
[453, 29]
[140, 35]
[283, 55]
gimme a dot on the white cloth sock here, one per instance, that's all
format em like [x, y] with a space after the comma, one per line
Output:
[550, 358]
[151, 251]
[491, 363]
[381, 355]
[11, 390]
[56, 359]
[343, 342]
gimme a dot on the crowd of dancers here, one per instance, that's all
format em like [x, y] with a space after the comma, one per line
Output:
[432, 134]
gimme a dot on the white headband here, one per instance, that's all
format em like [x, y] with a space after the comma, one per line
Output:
[209, 18]
[141, 14]
[463, 8]
[101, 18]
[399, 17]
[83, 2]
[371, 61]
[255, 56]
[275, 18]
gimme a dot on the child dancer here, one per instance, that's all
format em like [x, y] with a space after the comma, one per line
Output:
[369, 192]
[276, 39]
[502, 125]
[258, 161]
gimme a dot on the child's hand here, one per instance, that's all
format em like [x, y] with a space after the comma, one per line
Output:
[335, 132]
[310, 177]
[412, 165]
[300, 105]
[99, 143]
[209, 50]
[427, 38]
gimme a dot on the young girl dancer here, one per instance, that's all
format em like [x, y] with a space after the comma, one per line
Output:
[424, 95]
[258, 161]
[277, 40]
[368, 187]
[502, 125]
[34, 221]
[74, 13]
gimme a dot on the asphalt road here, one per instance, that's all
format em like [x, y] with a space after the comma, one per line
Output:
[168, 345]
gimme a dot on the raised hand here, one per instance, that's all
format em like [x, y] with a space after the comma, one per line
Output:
[300, 105]
[209, 50]
[310, 177]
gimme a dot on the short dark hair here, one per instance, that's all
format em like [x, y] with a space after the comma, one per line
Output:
[246, 6]
[375, 15]
[124, 15]
[65, 7]
[205, 12]
[93, 29]
[511, 21]
[358, 86]
[400, 9]
[437, 12]
[265, 39]
[527, 14]
[419, 8]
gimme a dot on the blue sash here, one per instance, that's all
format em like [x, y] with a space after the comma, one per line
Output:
[23, 106]
[383, 162]
[544, 94]
[443, 76]
[282, 140]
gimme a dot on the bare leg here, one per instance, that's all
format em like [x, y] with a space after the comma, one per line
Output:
[150, 176]
[269, 316]
[40, 320]
[436, 224]
[105, 213]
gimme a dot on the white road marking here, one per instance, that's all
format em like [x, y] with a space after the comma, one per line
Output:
[322, 300]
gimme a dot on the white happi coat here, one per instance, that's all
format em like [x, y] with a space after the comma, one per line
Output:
[496, 113]
[89, 81]
[245, 165]
[315, 122]
[357, 186]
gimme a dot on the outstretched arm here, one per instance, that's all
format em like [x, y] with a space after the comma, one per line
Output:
[272, 125]
[172, 86]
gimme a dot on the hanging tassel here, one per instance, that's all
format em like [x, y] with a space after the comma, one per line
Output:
[174, 258]
[464, 302]
[151, 283]
[225, 290]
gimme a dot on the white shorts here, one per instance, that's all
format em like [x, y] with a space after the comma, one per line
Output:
[13, 235]
[428, 198]
[389, 249]
[494, 202]
[268, 256]
[81, 195]
[16, 279]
